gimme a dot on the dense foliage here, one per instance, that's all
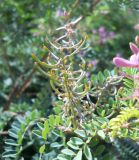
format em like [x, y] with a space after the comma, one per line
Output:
[61, 97]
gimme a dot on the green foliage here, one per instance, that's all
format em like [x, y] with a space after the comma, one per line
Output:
[126, 148]
[17, 134]
[4, 118]
[129, 3]
[124, 126]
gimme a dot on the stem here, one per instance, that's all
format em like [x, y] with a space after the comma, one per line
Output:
[40, 157]
[131, 124]
[70, 98]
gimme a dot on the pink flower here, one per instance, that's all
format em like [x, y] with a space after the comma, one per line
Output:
[133, 62]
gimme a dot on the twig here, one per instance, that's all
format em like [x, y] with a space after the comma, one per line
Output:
[17, 90]
[12, 93]
[4, 133]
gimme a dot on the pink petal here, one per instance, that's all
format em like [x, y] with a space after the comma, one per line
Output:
[121, 62]
[134, 48]
[135, 59]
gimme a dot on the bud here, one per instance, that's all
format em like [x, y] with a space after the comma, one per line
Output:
[66, 14]
[134, 48]
[137, 40]
[136, 27]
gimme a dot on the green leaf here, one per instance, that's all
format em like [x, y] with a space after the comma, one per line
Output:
[100, 77]
[101, 134]
[63, 157]
[88, 128]
[68, 152]
[37, 133]
[51, 120]
[102, 113]
[87, 152]
[16, 128]
[89, 139]
[20, 137]
[76, 140]
[106, 73]
[42, 148]
[46, 126]
[94, 79]
[57, 133]
[72, 145]
[40, 125]
[33, 115]
[81, 133]
[57, 110]
[44, 134]
[28, 119]
[13, 133]
[95, 141]
[22, 127]
[11, 142]
[46, 129]
[78, 156]
[11, 154]
[57, 120]
[99, 150]
[56, 145]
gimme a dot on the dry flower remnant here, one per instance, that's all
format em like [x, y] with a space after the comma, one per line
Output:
[64, 80]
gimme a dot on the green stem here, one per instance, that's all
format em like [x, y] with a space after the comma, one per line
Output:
[70, 98]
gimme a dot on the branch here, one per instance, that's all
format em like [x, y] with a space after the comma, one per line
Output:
[3, 133]
[17, 90]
